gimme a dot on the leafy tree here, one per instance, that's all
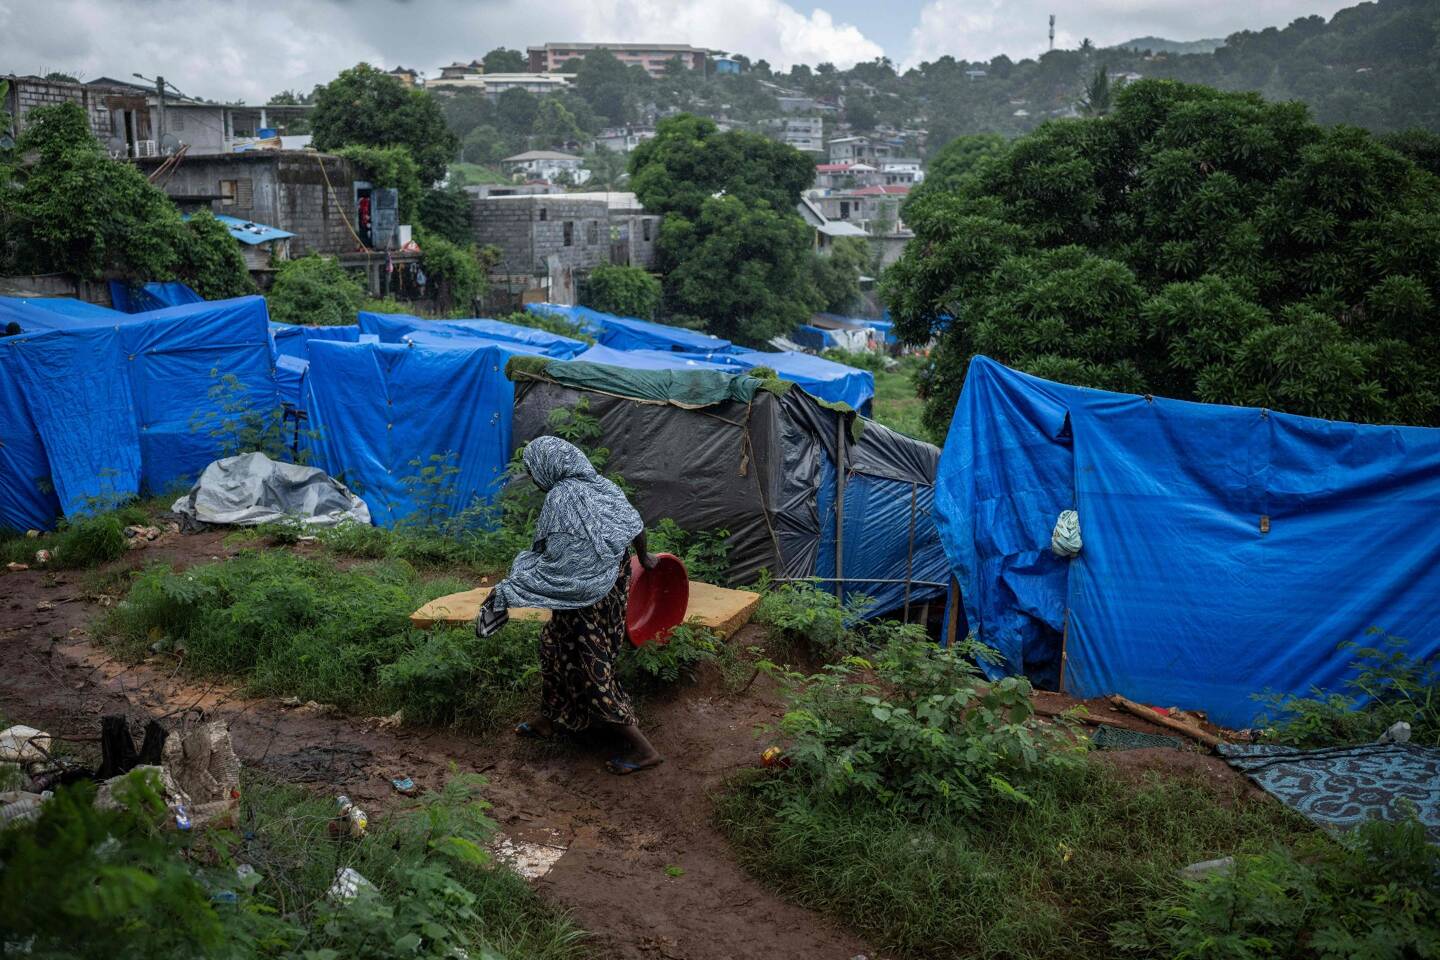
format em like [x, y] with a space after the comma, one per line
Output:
[740, 269]
[689, 160]
[446, 213]
[1097, 99]
[467, 109]
[836, 274]
[515, 111]
[554, 125]
[956, 160]
[504, 60]
[77, 211]
[607, 168]
[735, 250]
[860, 111]
[485, 145]
[458, 274]
[290, 98]
[611, 88]
[624, 291]
[365, 106]
[1422, 146]
[315, 291]
[1196, 244]
[209, 260]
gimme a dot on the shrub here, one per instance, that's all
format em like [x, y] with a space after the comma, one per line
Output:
[706, 553]
[1387, 686]
[551, 323]
[624, 291]
[314, 290]
[88, 882]
[916, 729]
[1375, 893]
[802, 613]
[454, 677]
[688, 646]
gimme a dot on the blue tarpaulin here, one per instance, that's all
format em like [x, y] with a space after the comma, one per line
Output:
[815, 338]
[292, 340]
[1227, 550]
[649, 359]
[290, 373]
[630, 333]
[109, 404]
[151, 296]
[825, 379]
[395, 327]
[384, 412]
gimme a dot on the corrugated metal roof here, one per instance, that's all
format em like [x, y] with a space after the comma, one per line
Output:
[247, 231]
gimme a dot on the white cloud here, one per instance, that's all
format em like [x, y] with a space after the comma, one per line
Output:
[981, 29]
[249, 49]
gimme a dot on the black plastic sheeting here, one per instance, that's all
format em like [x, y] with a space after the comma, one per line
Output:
[756, 469]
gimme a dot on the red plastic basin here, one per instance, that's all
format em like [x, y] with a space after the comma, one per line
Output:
[658, 599]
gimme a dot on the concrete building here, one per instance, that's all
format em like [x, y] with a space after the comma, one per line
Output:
[307, 194]
[547, 165]
[119, 113]
[827, 231]
[796, 104]
[540, 84]
[653, 57]
[851, 149]
[210, 128]
[548, 242]
[802, 133]
[830, 177]
[408, 77]
[901, 171]
[724, 65]
[624, 139]
[876, 210]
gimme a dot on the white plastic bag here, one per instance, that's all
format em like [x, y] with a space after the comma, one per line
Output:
[1065, 539]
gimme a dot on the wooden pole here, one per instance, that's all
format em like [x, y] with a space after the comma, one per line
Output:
[952, 618]
[840, 507]
[1149, 715]
[910, 553]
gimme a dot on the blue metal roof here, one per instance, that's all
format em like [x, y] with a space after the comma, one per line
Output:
[247, 231]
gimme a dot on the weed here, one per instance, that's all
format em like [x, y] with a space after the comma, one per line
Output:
[689, 646]
[1045, 879]
[674, 871]
[704, 552]
[1375, 893]
[802, 614]
[89, 882]
[237, 424]
[1387, 685]
[299, 626]
[77, 544]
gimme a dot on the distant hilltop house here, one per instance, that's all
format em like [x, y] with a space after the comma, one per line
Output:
[845, 176]
[547, 165]
[624, 139]
[472, 76]
[898, 171]
[724, 65]
[874, 209]
[802, 133]
[653, 57]
[132, 121]
[408, 77]
[858, 148]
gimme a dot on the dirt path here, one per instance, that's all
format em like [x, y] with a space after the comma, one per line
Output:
[620, 834]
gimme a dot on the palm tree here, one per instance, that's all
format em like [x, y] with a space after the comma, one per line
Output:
[1096, 102]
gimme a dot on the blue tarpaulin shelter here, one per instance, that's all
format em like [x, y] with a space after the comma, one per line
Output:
[825, 379]
[1227, 550]
[630, 333]
[382, 411]
[109, 404]
[395, 327]
[151, 296]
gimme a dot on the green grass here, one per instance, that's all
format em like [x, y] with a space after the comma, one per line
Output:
[80, 543]
[896, 404]
[1046, 879]
[303, 626]
[474, 173]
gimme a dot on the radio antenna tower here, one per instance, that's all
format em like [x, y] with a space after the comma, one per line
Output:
[1052, 31]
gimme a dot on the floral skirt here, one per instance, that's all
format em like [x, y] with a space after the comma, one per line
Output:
[578, 649]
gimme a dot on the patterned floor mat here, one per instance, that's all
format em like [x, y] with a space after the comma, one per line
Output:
[1119, 738]
[1340, 787]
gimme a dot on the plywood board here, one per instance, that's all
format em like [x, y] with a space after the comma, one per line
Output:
[721, 609]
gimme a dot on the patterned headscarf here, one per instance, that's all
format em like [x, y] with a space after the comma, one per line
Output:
[584, 529]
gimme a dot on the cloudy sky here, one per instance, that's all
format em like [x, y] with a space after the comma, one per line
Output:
[249, 49]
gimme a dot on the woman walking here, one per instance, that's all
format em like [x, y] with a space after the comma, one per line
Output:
[579, 568]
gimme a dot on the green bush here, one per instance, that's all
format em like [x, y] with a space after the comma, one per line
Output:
[551, 323]
[454, 677]
[623, 291]
[316, 291]
[86, 882]
[801, 613]
[1387, 685]
[706, 553]
[1374, 893]
[917, 730]
[688, 646]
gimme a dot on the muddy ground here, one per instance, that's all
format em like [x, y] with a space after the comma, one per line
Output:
[619, 833]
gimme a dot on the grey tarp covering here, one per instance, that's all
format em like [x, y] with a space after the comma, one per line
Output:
[252, 489]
